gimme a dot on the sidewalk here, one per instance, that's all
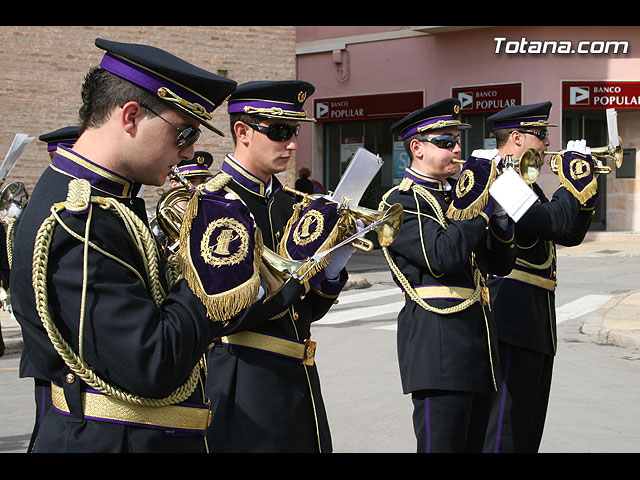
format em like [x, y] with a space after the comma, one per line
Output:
[615, 323]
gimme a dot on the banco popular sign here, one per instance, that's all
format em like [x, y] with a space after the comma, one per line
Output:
[367, 107]
[488, 98]
[597, 95]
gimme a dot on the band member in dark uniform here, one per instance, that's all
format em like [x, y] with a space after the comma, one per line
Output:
[523, 302]
[447, 347]
[196, 169]
[114, 347]
[263, 384]
[65, 136]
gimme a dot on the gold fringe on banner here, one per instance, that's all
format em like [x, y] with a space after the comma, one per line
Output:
[582, 195]
[476, 207]
[224, 305]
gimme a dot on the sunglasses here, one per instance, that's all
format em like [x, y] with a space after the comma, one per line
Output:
[278, 132]
[541, 134]
[186, 136]
[443, 141]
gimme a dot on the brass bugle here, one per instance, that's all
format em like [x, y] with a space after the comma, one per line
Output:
[528, 166]
[386, 232]
[607, 153]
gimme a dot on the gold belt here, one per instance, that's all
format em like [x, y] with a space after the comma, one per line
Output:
[441, 291]
[532, 279]
[97, 406]
[302, 351]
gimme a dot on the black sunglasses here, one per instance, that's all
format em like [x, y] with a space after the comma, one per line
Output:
[186, 137]
[443, 141]
[541, 134]
[278, 132]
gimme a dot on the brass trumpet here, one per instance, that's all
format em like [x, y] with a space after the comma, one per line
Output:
[607, 153]
[528, 166]
[386, 232]
[168, 218]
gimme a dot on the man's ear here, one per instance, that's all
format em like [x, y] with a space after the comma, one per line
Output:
[130, 114]
[241, 131]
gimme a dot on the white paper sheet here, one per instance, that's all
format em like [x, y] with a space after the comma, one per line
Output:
[20, 142]
[513, 194]
[356, 178]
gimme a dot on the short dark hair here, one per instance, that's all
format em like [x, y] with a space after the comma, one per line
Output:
[502, 136]
[240, 117]
[102, 91]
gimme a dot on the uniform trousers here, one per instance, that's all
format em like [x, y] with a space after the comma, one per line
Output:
[519, 408]
[450, 422]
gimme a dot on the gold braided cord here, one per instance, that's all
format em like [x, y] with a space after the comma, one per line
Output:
[10, 227]
[406, 285]
[542, 266]
[73, 361]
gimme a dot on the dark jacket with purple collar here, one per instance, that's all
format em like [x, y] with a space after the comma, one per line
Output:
[446, 341]
[131, 342]
[263, 401]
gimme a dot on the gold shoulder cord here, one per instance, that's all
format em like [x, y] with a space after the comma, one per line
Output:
[477, 275]
[79, 199]
[542, 266]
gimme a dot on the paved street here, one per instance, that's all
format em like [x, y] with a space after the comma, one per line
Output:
[595, 399]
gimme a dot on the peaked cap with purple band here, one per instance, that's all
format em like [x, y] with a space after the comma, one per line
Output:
[282, 99]
[518, 116]
[184, 86]
[445, 113]
[64, 136]
[197, 166]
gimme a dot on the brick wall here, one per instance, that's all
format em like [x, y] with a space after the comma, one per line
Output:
[42, 69]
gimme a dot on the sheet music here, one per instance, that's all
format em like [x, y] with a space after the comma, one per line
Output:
[612, 127]
[359, 173]
[512, 194]
[20, 142]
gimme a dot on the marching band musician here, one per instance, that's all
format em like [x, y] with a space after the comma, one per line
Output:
[66, 136]
[115, 349]
[263, 384]
[196, 169]
[523, 302]
[447, 348]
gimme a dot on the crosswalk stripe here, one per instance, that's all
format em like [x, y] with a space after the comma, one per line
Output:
[568, 311]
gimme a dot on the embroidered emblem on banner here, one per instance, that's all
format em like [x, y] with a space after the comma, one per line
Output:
[579, 168]
[309, 228]
[465, 183]
[226, 233]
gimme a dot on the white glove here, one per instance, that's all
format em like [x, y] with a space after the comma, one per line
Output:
[579, 146]
[498, 211]
[340, 257]
[486, 154]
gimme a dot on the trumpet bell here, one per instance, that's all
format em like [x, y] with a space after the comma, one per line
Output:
[276, 270]
[529, 165]
[13, 199]
[386, 231]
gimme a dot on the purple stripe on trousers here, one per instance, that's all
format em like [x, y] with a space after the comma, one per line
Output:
[503, 398]
[427, 423]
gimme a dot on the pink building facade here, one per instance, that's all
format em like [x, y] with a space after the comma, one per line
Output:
[367, 77]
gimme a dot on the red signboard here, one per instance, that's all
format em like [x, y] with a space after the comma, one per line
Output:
[488, 98]
[598, 95]
[367, 107]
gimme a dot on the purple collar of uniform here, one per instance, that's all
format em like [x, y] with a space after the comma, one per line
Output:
[247, 180]
[425, 180]
[70, 163]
